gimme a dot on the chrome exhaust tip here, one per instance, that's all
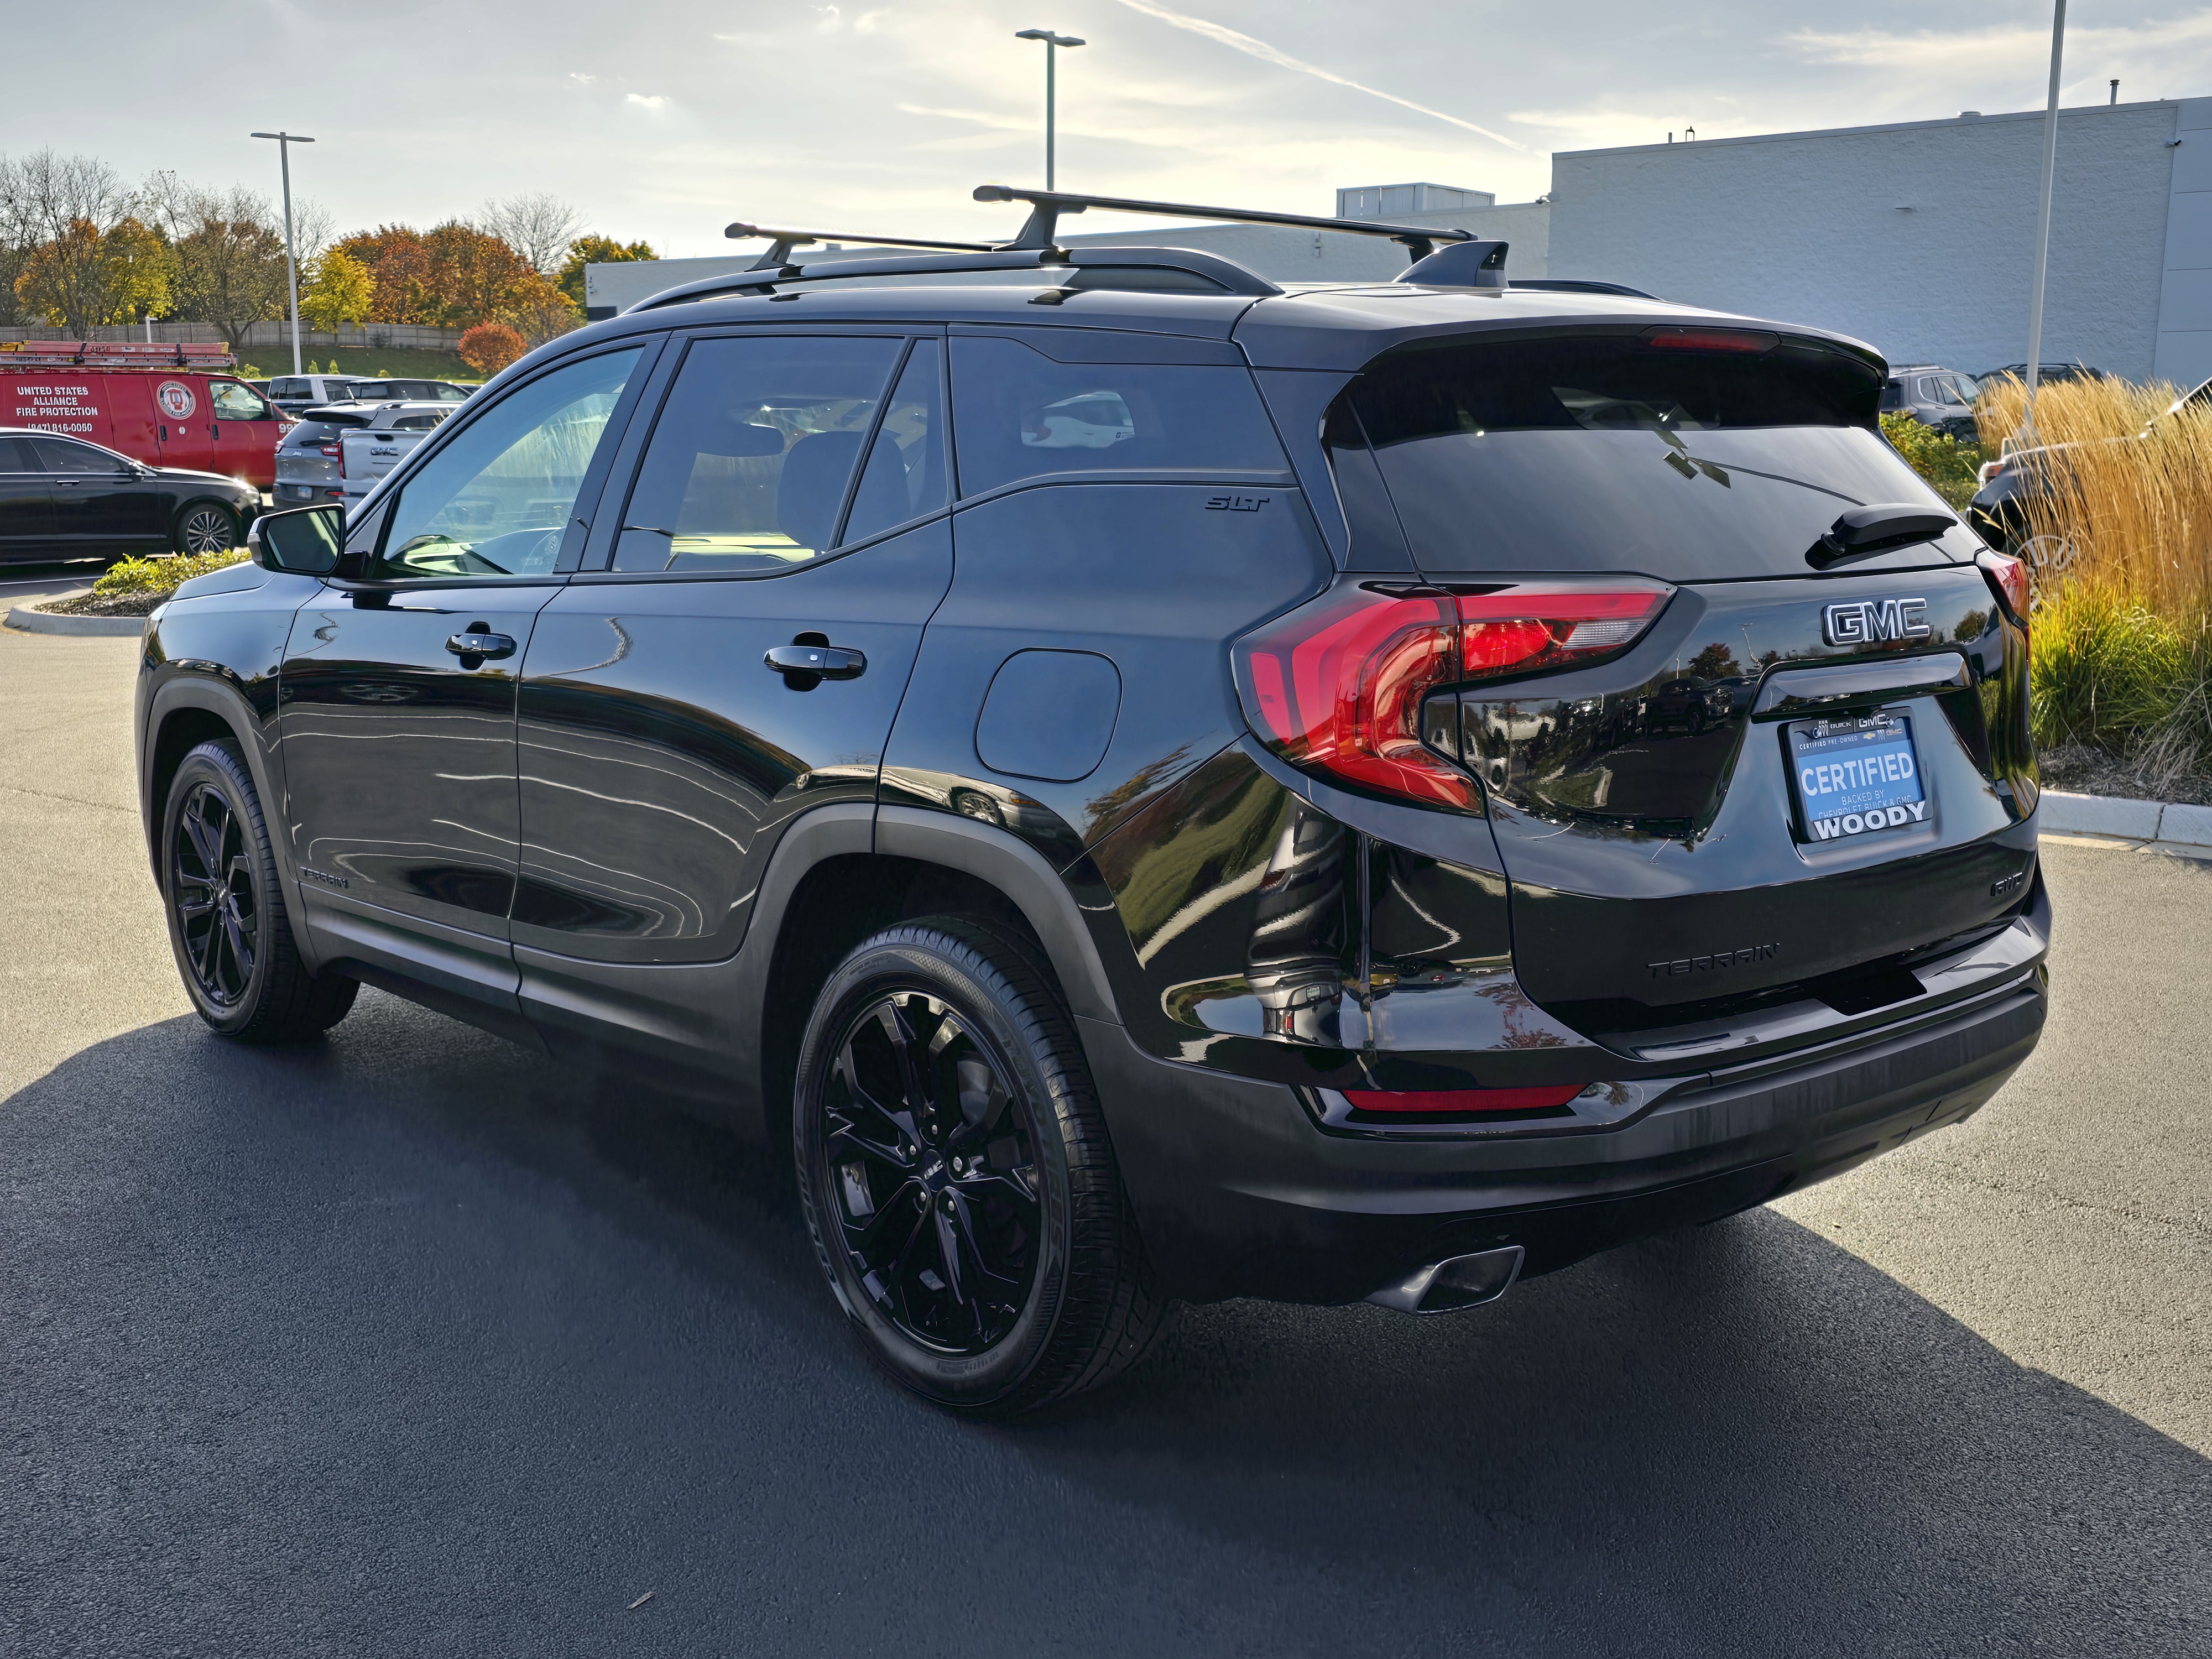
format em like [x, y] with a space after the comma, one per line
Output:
[1456, 1282]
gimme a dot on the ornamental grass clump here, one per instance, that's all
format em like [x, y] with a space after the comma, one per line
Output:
[2128, 502]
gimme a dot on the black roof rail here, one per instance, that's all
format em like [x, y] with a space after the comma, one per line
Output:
[782, 242]
[1046, 205]
[1034, 248]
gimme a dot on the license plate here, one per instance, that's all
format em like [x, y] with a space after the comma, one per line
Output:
[1857, 775]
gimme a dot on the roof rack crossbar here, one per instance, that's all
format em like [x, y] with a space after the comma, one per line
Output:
[1046, 205]
[782, 242]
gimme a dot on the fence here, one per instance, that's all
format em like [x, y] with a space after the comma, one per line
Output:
[370, 337]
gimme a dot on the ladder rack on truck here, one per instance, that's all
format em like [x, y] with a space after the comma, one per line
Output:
[116, 354]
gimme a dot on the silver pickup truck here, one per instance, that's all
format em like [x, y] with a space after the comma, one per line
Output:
[367, 451]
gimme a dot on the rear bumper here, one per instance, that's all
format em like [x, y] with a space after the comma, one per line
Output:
[1242, 1192]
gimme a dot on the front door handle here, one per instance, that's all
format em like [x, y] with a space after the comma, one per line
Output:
[829, 662]
[481, 645]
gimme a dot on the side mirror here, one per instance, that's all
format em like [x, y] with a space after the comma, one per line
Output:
[307, 540]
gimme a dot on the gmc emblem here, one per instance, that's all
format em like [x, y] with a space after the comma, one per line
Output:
[1870, 621]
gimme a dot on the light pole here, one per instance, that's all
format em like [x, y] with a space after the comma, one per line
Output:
[2043, 226]
[284, 143]
[1051, 42]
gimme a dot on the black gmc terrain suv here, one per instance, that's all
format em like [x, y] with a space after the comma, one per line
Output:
[1142, 784]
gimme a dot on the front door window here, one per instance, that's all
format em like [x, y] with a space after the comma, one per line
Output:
[497, 501]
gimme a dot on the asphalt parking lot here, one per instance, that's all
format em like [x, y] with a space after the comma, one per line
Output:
[415, 1343]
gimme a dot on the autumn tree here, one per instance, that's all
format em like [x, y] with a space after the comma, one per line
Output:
[337, 289]
[67, 204]
[230, 263]
[83, 280]
[141, 273]
[475, 275]
[398, 265]
[539, 312]
[596, 249]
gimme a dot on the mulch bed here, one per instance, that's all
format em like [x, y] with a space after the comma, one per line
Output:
[112, 604]
[2078, 769]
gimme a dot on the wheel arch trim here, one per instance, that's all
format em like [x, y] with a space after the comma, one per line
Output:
[1018, 870]
[208, 694]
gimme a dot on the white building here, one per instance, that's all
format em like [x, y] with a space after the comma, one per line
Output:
[1915, 237]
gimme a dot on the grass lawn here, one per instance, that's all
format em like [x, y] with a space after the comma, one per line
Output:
[393, 363]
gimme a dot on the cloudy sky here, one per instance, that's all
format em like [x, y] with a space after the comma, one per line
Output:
[665, 119]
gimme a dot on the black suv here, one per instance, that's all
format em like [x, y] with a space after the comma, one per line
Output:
[1130, 779]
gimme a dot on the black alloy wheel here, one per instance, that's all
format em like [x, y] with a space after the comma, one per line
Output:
[206, 527]
[935, 1166]
[211, 894]
[956, 1174]
[228, 926]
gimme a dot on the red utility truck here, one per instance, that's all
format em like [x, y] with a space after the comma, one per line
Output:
[166, 405]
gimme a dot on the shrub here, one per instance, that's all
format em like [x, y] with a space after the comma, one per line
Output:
[1949, 465]
[160, 575]
[2103, 667]
[489, 347]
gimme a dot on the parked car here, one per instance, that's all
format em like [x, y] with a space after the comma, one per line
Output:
[2048, 372]
[296, 393]
[2010, 483]
[1225, 877]
[1934, 395]
[307, 458]
[369, 450]
[64, 498]
[433, 392]
[164, 417]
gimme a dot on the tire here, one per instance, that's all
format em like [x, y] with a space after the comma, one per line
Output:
[228, 927]
[204, 527]
[957, 1178]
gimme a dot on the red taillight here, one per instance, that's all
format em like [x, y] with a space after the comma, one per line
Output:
[1337, 685]
[1670, 338]
[2008, 578]
[331, 450]
[1539, 1099]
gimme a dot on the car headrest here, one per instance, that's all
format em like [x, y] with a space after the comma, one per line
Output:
[812, 486]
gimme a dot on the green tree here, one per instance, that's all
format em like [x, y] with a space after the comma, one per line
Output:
[596, 249]
[338, 289]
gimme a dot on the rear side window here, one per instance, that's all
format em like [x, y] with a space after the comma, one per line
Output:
[15, 456]
[290, 388]
[749, 462]
[1604, 453]
[1016, 414]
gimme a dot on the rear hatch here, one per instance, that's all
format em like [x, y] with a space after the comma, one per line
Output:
[1737, 748]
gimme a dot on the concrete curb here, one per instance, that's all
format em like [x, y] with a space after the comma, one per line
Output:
[32, 620]
[2127, 820]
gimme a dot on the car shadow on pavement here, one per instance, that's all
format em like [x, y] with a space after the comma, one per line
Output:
[412, 1340]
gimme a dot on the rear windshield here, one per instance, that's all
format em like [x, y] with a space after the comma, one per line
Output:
[1608, 454]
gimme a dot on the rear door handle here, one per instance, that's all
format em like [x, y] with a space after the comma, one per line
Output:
[831, 662]
[481, 645]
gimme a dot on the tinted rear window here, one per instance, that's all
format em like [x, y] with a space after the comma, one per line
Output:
[1604, 454]
[1017, 414]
